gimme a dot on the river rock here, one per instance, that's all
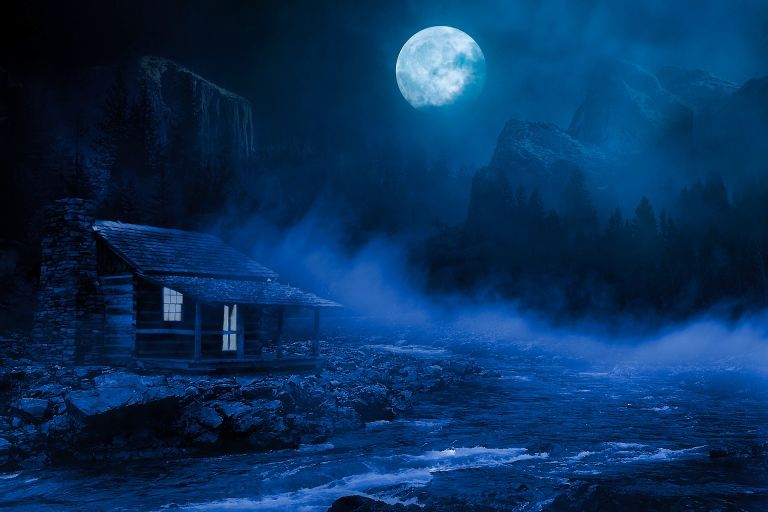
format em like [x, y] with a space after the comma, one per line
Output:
[209, 418]
[117, 391]
[199, 422]
[363, 504]
[35, 408]
[59, 424]
[373, 404]
[245, 418]
[82, 414]
[620, 495]
[230, 410]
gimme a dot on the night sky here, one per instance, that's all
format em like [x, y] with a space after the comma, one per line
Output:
[323, 72]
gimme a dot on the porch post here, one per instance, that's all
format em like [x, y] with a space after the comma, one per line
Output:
[260, 329]
[316, 334]
[198, 331]
[240, 334]
[279, 335]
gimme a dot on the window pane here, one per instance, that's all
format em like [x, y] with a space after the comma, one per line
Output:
[225, 328]
[233, 327]
[172, 301]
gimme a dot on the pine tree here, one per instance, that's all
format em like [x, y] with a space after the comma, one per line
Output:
[644, 224]
[577, 210]
[114, 124]
[145, 131]
[615, 227]
[76, 174]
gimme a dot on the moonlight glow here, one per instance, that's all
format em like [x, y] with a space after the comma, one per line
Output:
[439, 65]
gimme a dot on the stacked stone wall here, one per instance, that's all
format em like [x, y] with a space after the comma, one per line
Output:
[68, 320]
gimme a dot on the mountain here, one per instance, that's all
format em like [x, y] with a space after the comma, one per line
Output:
[537, 156]
[695, 88]
[627, 109]
[636, 132]
[221, 121]
[147, 140]
[730, 135]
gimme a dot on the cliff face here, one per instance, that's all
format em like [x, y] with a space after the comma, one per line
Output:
[191, 116]
[695, 88]
[221, 121]
[536, 156]
[730, 134]
[627, 108]
[535, 151]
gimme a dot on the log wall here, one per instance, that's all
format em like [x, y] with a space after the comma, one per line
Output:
[119, 317]
[154, 336]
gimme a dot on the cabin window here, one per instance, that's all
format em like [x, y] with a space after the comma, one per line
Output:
[229, 342]
[172, 304]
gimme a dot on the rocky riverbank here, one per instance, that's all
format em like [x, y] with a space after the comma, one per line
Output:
[52, 415]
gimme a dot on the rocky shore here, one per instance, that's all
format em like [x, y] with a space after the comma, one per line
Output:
[53, 415]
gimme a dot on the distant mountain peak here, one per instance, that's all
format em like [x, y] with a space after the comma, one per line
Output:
[695, 88]
[223, 119]
[153, 68]
[627, 109]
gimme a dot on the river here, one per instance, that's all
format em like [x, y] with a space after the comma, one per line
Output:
[541, 426]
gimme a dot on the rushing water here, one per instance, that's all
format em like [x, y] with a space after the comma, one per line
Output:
[514, 441]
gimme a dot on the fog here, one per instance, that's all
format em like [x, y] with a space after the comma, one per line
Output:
[383, 294]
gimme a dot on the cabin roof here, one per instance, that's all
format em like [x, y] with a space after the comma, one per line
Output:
[201, 266]
[153, 250]
[212, 289]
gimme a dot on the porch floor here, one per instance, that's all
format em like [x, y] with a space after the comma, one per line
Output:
[264, 363]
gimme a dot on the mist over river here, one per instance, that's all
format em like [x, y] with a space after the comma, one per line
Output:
[541, 431]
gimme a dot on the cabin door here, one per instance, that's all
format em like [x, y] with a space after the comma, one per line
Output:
[229, 337]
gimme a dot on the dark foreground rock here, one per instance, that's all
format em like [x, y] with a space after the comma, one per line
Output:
[608, 497]
[363, 504]
[58, 415]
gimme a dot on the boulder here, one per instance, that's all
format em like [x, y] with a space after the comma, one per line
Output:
[116, 391]
[59, 424]
[35, 408]
[364, 504]
[209, 418]
[199, 422]
[373, 403]
[231, 409]
[587, 497]
[245, 418]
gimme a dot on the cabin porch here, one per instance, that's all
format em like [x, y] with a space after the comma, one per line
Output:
[219, 335]
[266, 363]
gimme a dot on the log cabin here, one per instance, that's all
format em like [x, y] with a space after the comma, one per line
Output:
[161, 298]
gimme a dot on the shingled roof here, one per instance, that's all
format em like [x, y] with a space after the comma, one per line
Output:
[211, 289]
[201, 266]
[153, 250]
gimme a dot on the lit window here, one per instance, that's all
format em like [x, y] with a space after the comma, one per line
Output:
[230, 328]
[172, 303]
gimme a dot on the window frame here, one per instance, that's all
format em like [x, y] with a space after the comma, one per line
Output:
[229, 331]
[173, 305]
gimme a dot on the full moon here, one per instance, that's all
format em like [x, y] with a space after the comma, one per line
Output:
[439, 65]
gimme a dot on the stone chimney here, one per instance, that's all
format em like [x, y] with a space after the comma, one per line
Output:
[68, 320]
